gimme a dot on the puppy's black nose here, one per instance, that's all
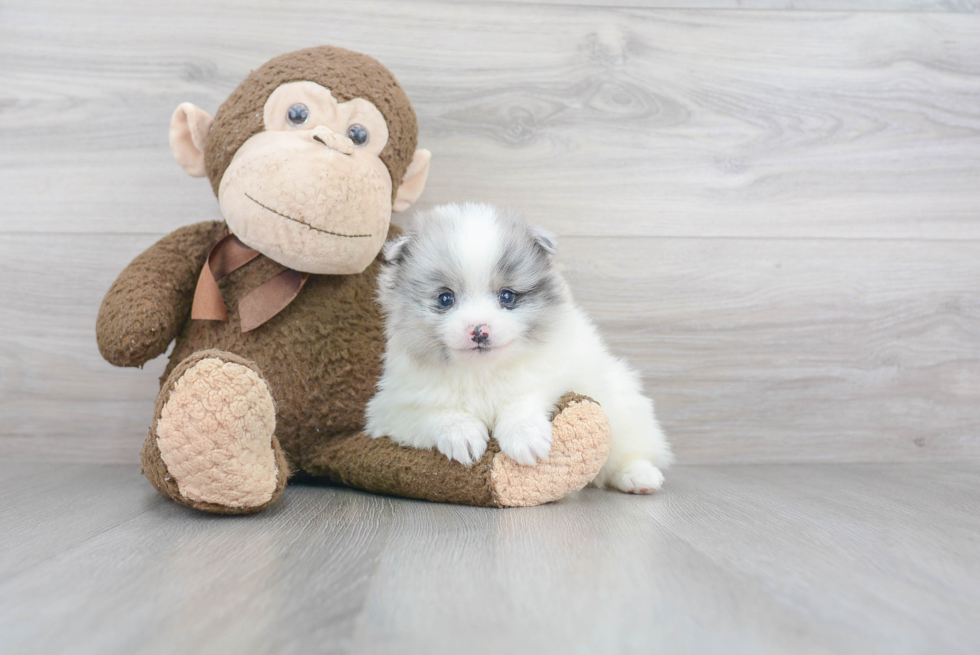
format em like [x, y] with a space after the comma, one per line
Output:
[480, 334]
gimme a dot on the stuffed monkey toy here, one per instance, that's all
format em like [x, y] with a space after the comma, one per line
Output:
[278, 334]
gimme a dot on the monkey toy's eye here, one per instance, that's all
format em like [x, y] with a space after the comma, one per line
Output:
[358, 134]
[507, 298]
[447, 299]
[298, 114]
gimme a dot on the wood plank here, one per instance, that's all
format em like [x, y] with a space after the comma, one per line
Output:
[737, 559]
[47, 508]
[599, 121]
[60, 400]
[881, 540]
[955, 6]
[726, 559]
[175, 580]
[590, 574]
[754, 350]
[795, 350]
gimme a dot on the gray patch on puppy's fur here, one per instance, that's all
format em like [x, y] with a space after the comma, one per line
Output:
[418, 270]
[526, 268]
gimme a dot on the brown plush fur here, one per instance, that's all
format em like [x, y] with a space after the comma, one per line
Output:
[240, 116]
[382, 466]
[321, 355]
[148, 304]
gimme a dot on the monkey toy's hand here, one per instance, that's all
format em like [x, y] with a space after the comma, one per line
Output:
[149, 302]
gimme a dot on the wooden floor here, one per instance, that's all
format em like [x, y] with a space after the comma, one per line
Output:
[809, 558]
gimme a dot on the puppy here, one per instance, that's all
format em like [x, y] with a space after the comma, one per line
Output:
[483, 337]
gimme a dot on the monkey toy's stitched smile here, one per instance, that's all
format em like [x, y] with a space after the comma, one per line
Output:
[296, 220]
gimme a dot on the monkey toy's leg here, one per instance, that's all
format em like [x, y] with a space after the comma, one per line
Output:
[212, 444]
[580, 445]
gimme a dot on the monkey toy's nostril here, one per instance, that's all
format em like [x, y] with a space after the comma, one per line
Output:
[317, 138]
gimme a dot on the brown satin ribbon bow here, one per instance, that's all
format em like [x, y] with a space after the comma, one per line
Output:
[258, 305]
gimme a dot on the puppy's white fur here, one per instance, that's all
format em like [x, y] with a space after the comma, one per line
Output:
[454, 375]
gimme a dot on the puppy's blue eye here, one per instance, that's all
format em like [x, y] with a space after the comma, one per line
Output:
[358, 134]
[298, 114]
[447, 300]
[507, 297]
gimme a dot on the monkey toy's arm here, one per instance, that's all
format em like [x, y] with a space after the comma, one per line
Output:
[148, 304]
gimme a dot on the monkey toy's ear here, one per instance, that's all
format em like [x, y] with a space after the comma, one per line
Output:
[189, 129]
[414, 181]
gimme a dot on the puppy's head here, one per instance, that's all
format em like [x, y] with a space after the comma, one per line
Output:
[470, 283]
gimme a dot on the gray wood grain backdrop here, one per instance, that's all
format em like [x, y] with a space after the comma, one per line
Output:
[775, 213]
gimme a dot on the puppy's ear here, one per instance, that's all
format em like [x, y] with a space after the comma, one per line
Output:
[545, 239]
[395, 251]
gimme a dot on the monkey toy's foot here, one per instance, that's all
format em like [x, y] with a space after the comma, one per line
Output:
[580, 445]
[212, 445]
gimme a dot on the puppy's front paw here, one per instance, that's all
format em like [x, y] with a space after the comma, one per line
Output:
[525, 439]
[638, 477]
[463, 439]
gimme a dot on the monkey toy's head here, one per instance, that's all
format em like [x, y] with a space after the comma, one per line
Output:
[308, 157]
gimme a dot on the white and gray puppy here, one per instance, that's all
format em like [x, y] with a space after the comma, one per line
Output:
[483, 336]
